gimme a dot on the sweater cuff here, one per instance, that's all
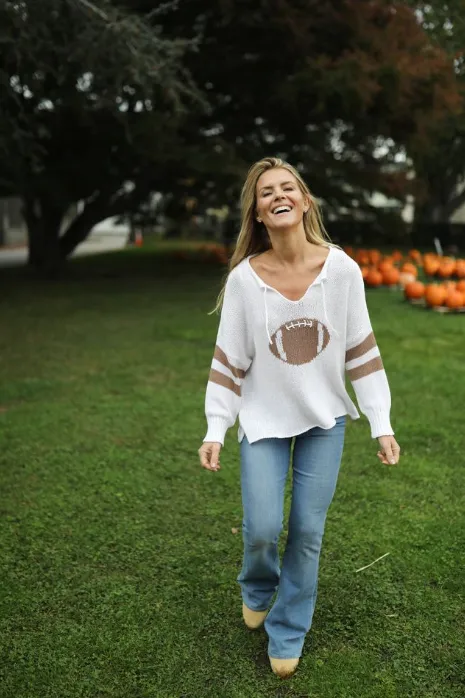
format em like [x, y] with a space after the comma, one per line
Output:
[380, 423]
[217, 428]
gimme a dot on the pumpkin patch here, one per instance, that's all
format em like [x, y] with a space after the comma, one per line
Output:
[427, 280]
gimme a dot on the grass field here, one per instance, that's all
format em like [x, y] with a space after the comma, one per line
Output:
[117, 551]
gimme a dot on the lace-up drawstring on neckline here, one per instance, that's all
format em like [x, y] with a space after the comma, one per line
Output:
[319, 281]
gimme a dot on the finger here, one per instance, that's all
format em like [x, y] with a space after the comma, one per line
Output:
[389, 455]
[395, 448]
[204, 458]
[382, 457]
[215, 457]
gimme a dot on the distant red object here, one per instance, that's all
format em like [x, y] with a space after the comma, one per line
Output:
[139, 240]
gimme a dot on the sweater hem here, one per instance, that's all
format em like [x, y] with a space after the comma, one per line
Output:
[298, 432]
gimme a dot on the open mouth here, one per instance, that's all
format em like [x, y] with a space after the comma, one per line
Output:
[279, 210]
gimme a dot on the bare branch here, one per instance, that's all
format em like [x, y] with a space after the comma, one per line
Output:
[93, 8]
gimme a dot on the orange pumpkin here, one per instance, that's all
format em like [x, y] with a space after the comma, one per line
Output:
[431, 265]
[365, 271]
[435, 295]
[406, 278]
[461, 286]
[374, 256]
[410, 268]
[374, 278]
[414, 290]
[460, 268]
[362, 257]
[415, 255]
[385, 265]
[397, 256]
[391, 276]
[446, 269]
[455, 299]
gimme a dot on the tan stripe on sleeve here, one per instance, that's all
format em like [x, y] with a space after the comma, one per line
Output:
[366, 369]
[362, 348]
[220, 356]
[225, 381]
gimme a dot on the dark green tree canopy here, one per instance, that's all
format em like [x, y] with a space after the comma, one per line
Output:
[104, 102]
[91, 100]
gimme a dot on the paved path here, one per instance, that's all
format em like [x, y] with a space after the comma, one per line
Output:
[15, 257]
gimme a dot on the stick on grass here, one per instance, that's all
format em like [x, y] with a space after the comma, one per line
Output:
[372, 563]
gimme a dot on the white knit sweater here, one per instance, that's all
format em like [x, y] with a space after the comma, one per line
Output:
[279, 365]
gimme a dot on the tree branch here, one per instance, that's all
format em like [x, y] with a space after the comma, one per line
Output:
[93, 8]
[99, 209]
[454, 204]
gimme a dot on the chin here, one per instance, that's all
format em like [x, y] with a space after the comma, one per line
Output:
[285, 225]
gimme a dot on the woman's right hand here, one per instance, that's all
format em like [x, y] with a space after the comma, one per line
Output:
[209, 454]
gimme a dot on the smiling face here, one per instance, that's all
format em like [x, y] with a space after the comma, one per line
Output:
[281, 203]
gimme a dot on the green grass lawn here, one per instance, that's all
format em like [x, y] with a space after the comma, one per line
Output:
[118, 556]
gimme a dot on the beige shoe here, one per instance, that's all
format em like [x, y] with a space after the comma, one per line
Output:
[253, 619]
[284, 668]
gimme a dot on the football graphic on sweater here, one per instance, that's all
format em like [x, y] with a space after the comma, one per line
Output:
[300, 341]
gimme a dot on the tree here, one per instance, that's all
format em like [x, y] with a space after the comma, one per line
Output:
[439, 167]
[97, 106]
[92, 100]
[340, 88]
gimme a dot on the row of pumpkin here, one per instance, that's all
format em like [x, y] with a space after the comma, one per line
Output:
[396, 270]
[402, 270]
[449, 294]
[434, 265]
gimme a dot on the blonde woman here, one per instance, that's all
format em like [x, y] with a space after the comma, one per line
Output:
[293, 320]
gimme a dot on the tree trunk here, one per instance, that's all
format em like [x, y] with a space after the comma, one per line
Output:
[94, 211]
[3, 218]
[104, 206]
[43, 228]
[132, 231]
[77, 232]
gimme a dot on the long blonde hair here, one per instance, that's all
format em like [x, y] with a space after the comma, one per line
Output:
[253, 237]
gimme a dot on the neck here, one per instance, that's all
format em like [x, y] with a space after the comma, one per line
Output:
[291, 246]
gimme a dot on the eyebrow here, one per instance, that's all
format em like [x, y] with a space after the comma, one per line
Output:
[282, 184]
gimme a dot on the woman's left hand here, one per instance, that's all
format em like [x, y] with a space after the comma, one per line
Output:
[389, 452]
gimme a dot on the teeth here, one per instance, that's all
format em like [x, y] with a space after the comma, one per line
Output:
[282, 209]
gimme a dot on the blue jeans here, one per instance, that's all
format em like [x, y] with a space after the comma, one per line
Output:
[264, 468]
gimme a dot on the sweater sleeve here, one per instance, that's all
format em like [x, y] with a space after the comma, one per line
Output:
[231, 359]
[364, 365]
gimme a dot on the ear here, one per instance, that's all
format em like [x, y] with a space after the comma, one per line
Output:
[307, 204]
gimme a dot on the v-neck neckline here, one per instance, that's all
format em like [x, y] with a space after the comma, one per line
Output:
[321, 274]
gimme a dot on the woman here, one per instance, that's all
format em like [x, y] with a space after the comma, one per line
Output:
[294, 319]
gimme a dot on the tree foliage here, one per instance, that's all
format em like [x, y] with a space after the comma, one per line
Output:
[339, 88]
[99, 107]
[91, 98]
[439, 168]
